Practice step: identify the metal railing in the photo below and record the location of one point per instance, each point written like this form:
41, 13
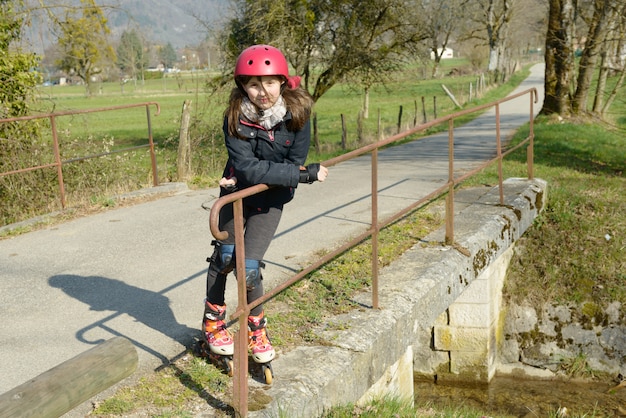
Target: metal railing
240, 383
58, 163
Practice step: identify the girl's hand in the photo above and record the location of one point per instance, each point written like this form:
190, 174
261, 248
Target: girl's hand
322, 173
228, 183
313, 172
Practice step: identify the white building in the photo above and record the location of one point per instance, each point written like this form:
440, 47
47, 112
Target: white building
447, 53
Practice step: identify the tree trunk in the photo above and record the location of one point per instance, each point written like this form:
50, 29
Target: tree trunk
559, 57
366, 103
618, 86
184, 147
589, 59
598, 101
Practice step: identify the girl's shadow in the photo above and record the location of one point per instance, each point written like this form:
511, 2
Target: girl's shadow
104, 294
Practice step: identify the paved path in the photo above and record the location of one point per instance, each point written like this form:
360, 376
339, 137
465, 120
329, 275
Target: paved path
138, 271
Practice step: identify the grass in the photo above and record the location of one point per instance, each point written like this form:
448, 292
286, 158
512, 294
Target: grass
126, 126
176, 392
392, 407
575, 251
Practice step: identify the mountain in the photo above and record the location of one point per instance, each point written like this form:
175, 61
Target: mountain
180, 22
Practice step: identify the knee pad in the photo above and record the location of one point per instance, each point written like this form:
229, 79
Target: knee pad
253, 273
223, 257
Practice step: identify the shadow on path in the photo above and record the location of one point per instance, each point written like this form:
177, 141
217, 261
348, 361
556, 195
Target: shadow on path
147, 307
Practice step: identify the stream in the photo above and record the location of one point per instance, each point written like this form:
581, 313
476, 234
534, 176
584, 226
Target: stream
515, 397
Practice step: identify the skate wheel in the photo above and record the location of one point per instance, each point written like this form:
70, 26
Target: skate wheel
229, 366
200, 350
268, 374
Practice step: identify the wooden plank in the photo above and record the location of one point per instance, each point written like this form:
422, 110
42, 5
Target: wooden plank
62, 388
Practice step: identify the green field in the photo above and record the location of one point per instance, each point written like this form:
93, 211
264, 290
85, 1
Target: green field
127, 126
405, 89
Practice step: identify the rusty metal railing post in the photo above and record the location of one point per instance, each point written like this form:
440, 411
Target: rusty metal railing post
449, 240
499, 154
375, 228
530, 151
240, 375
155, 176
57, 159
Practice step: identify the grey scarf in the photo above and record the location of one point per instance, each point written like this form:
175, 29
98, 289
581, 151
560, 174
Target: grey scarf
266, 118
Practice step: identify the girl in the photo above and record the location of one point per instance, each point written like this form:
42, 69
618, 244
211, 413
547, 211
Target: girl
267, 135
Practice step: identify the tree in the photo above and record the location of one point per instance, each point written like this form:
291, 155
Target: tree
491, 19
442, 20
507, 28
167, 55
17, 78
498, 14
83, 40
598, 29
566, 90
615, 61
559, 57
131, 54
328, 41
20, 143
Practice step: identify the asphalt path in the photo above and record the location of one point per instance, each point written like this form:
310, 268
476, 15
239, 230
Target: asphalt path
139, 271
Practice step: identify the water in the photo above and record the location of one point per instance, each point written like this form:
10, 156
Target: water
506, 396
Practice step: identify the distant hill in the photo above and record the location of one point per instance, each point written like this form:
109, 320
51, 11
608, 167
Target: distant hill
163, 21
159, 21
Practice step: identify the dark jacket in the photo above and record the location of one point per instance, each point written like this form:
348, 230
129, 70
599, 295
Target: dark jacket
267, 157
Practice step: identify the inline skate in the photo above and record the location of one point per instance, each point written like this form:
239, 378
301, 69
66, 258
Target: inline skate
217, 342
260, 346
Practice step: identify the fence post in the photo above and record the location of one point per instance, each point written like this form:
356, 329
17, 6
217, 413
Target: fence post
359, 127
155, 175
316, 139
57, 159
451, 96
184, 147
344, 132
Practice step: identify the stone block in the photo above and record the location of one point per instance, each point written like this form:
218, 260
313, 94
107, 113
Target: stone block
448, 338
397, 381
464, 362
473, 315
477, 292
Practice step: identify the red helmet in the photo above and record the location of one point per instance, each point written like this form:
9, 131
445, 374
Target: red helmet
260, 60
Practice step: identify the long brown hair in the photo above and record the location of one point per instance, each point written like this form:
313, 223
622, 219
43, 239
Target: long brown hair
298, 101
